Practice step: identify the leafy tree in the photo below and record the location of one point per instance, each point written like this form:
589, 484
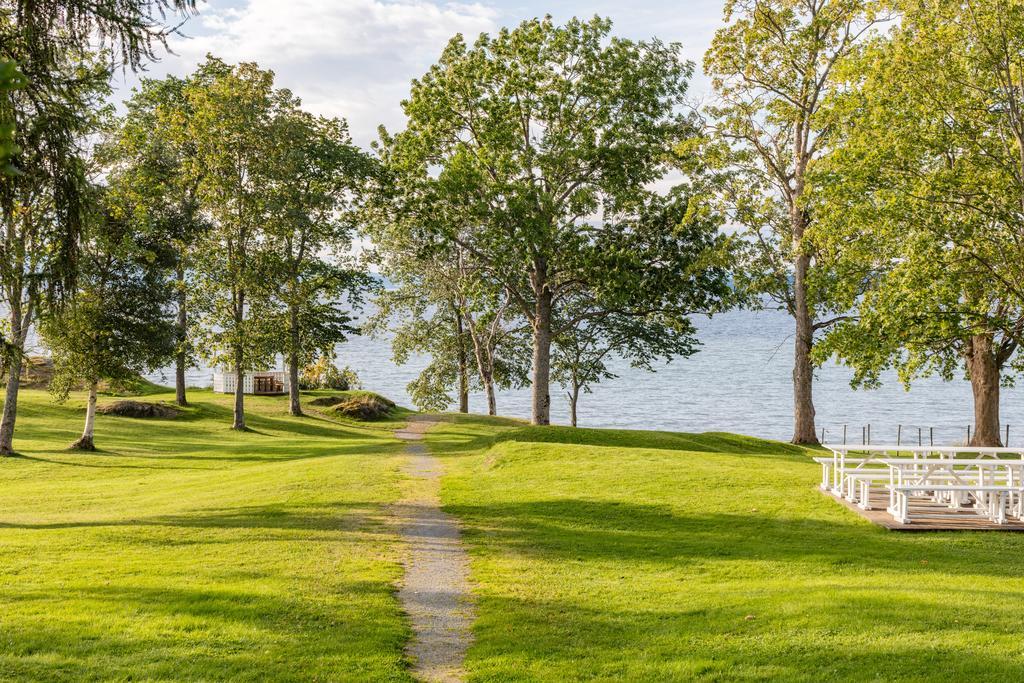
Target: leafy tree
318, 176
513, 143
772, 66
42, 208
926, 192
115, 324
145, 151
677, 231
52, 41
419, 327
232, 109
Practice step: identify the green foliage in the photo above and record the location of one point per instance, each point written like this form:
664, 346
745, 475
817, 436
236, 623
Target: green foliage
229, 121
316, 180
925, 192
515, 141
681, 236
115, 326
325, 374
148, 161
10, 79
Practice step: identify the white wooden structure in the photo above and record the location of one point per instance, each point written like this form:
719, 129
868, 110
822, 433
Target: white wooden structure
951, 479
262, 383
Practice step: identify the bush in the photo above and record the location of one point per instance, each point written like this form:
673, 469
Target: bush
324, 374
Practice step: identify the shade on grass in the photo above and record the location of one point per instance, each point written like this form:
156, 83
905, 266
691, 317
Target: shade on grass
183, 550
604, 555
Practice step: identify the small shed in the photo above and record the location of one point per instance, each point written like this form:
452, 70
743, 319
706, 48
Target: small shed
261, 383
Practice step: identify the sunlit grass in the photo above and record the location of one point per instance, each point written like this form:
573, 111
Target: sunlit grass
605, 555
183, 550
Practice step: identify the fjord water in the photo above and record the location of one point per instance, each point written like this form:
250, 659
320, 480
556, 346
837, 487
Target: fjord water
739, 381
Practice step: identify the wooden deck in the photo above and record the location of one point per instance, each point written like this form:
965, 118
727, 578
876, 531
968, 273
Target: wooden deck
929, 516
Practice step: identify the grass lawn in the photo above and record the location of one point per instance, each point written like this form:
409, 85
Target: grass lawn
186, 551
607, 555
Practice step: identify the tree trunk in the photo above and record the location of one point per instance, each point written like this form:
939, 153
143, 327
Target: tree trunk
10, 403
294, 405
20, 320
492, 401
574, 399
803, 369
86, 442
181, 358
238, 421
542, 358
463, 365
984, 373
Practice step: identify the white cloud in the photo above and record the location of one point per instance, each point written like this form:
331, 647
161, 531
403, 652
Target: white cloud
349, 58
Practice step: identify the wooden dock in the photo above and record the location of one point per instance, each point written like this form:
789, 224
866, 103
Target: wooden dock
928, 516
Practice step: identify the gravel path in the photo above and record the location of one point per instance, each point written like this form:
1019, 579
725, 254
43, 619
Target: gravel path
435, 589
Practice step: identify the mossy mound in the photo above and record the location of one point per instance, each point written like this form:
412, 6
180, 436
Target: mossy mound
365, 407
328, 401
138, 409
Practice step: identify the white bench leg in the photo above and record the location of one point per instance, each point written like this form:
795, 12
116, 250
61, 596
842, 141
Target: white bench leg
865, 495
902, 507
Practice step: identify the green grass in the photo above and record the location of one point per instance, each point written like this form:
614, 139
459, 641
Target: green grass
183, 550
613, 555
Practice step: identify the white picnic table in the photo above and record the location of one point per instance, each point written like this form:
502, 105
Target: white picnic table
951, 475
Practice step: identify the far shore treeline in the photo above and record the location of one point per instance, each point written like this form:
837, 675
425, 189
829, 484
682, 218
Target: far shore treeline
554, 200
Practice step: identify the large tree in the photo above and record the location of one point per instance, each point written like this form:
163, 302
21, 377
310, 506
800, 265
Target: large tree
42, 209
523, 147
151, 162
53, 43
772, 66
926, 193
231, 114
318, 180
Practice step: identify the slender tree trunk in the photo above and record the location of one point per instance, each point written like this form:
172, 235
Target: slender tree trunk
10, 413
239, 411
15, 357
294, 405
574, 399
181, 358
463, 364
492, 401
485, 368
542, 358
984, 374
86, 442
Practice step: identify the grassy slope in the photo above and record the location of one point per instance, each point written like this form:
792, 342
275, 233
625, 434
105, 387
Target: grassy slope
187, 551
606, 555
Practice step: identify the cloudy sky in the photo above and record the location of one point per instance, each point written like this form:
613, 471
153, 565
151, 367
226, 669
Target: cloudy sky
355, 58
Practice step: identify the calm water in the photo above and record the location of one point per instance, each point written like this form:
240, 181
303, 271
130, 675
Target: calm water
739, 382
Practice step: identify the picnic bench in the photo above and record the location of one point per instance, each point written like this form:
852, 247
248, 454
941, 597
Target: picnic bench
987, 481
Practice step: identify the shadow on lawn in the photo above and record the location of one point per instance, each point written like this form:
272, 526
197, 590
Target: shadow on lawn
336, 517
870, 639
168, 632
612, 531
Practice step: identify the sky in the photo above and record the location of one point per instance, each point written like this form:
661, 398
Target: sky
355, 58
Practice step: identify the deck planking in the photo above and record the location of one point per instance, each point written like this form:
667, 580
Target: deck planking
931, 516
